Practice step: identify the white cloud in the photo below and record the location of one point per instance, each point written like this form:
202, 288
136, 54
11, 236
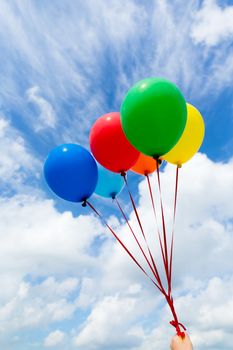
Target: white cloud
209, 315
39, 228
213, 24
56, 247
54, 338
33, 306
17, 163
203, 218
110, 324
206, 311
46, 117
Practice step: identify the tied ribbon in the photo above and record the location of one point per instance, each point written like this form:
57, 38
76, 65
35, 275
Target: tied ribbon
177, 325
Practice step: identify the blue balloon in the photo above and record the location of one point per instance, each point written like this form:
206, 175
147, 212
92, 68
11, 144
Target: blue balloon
109, 184
71, 172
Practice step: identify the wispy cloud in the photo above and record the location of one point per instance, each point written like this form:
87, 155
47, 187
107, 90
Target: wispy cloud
17, 163
85, 56
46, 117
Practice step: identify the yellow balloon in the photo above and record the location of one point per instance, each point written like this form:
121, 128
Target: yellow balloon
190, 140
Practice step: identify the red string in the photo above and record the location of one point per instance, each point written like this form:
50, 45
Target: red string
153, 205
166, 266
175, 323
173, 224
121, 243
139, 245
142, 231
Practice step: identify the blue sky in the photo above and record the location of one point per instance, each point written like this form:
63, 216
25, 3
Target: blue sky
63, 64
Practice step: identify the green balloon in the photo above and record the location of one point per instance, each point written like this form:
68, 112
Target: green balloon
153, 116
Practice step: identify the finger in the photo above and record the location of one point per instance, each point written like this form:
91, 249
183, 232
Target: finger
178, 343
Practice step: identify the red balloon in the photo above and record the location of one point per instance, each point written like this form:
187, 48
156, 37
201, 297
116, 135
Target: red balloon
109, 145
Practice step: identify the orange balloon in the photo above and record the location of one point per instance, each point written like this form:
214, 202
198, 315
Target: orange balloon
144, 165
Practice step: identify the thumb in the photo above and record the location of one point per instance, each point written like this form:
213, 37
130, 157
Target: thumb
178, 343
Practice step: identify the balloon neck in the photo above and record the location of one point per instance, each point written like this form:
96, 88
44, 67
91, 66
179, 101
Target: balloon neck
84, 203
157, 159
113, 195
179, 166
123, 173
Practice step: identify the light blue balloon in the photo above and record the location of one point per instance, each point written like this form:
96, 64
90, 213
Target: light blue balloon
109, 184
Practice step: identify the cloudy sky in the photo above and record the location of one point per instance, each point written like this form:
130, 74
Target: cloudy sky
65, 283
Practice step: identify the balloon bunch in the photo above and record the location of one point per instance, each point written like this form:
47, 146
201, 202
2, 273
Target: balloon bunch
154, 124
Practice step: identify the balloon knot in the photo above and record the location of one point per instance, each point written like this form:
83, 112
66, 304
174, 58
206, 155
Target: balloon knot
157, 159
123, 173
84, 203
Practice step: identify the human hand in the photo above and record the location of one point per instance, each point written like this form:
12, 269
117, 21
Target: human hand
178, 343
